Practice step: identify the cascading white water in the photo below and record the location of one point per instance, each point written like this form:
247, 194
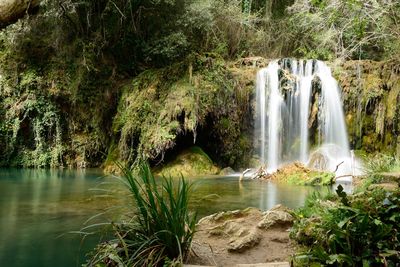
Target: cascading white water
286, 95
331, 112
274, 112
305, 94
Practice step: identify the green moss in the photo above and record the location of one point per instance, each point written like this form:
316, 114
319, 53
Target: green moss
370, 93
297, 174
164, 104
372, 86
312, 178
152, 112
189, 163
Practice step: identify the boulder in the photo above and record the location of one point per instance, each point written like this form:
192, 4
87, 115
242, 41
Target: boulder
244, 241
239, 236
189, 163
277, 216
223, 216
12, 10
242, 229
227, 171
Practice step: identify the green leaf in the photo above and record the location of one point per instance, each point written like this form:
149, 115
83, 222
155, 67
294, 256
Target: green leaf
343, 222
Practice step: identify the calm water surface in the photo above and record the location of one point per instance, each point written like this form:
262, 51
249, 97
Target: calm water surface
39, 209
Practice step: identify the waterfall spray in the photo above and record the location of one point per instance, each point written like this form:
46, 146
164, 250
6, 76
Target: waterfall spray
287, 91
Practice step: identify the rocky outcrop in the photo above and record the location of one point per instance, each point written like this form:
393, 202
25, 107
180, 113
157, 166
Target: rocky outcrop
370, 94
243, 236
277, 216
202, 103
296, 174
11, 10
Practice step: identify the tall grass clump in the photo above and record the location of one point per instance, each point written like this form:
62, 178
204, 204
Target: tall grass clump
382, 163
160, 231
377, 165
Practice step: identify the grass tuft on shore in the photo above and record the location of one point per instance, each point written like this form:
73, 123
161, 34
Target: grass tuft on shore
161, 230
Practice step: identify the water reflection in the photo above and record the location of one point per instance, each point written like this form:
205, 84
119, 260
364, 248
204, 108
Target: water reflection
37, 206
226, 193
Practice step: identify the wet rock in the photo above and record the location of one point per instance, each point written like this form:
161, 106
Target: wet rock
277, 216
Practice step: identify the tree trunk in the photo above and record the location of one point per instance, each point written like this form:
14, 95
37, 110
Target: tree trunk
12, 10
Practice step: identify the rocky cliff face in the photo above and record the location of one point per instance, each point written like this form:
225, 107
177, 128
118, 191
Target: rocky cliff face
371, 97
205, 102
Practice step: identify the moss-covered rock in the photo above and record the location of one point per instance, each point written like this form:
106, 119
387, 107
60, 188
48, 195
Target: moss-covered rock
189, 163
56, 107
199, 102
371, 93
298, 174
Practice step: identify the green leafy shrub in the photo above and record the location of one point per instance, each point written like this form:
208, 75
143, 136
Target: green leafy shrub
358, 230
161, 230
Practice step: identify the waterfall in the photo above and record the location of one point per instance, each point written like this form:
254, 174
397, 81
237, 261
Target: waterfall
294, 96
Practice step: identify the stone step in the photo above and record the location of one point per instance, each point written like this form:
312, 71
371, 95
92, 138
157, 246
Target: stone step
267, 264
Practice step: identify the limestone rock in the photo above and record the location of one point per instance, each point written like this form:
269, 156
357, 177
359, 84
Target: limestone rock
277, 216
234, 237
223, 216
246, 241
234, 226
11, 10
